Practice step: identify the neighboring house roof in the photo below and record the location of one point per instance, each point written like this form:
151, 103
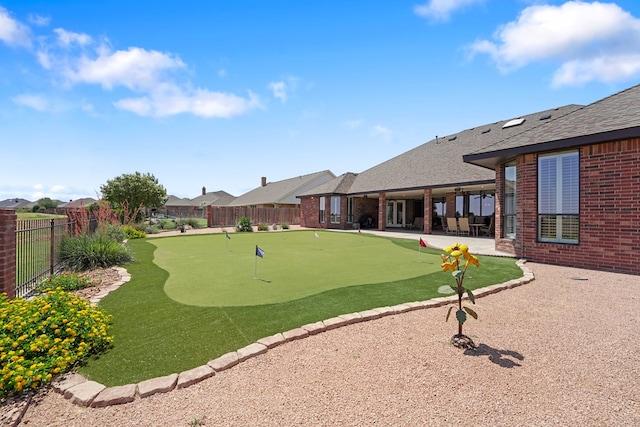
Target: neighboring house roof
78, 203
438, 163
611, 118
339, 185
213, 198
283, 192
15, 203
177, 201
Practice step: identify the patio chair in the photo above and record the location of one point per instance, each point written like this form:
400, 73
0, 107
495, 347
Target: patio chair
452, 226
463, 226
418, 223
489, 230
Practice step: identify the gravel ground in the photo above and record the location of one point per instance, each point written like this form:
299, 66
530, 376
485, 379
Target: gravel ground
554, 352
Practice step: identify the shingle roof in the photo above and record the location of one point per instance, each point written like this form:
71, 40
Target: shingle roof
78, 203
214, 198
14, 203
439, 163
177, 201
339, 185
614, 117
283, 192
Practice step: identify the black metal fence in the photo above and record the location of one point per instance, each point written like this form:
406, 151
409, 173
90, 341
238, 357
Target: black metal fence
38, 251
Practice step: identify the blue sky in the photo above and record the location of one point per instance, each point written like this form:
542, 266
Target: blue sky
222, 93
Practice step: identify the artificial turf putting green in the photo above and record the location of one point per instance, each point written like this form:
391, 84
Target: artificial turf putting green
156, 336
211, 270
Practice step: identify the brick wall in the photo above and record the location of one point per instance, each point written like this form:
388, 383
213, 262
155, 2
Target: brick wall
609, 210
8, 220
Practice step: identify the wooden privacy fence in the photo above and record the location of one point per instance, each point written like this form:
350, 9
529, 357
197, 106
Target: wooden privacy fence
228, 216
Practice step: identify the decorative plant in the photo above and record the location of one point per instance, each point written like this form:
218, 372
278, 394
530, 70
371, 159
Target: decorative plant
451, 262
244, 224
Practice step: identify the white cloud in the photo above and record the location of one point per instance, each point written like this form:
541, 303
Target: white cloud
282, 89
441, 10
279, 90
135, 68
36, 102
39, 20
382, 131
170, 100
67, 38
13, 32
591, 42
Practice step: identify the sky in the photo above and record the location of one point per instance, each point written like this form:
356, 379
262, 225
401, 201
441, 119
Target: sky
218, 94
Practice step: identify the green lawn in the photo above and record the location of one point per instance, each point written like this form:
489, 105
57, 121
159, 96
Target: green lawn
158, 333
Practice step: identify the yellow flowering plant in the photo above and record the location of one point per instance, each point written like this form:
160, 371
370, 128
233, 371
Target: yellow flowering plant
46, 336
456, 261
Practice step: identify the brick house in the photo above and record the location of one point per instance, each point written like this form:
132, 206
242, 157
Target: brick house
568, 192
562, 185
418, 189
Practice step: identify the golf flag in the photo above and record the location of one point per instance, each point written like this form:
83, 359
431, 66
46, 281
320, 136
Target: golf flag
422, 243
315, 234
259, 252
227, 233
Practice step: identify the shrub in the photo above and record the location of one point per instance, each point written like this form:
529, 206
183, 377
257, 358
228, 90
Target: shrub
66, 282
244, 224
263, 227
80, 253
168, 224
46, 336
133, 232
284, 225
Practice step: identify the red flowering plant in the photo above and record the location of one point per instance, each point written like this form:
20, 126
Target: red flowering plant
452, 262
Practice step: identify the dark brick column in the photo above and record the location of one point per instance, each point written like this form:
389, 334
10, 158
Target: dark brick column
8, 220
428, 211
382, 212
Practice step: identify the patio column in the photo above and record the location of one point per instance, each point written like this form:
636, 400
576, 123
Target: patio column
428, 211
382, 211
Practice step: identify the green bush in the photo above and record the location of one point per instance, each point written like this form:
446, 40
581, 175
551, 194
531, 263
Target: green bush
81, 253
168, 224
133, 232
66, 282
116, 232
263, 227
46, 336
244, 224
284, 225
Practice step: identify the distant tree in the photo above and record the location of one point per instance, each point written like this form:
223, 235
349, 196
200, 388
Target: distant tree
130, 193
44, 204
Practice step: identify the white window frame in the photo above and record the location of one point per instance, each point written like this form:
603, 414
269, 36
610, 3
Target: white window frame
334, 214
559, 197
321, 210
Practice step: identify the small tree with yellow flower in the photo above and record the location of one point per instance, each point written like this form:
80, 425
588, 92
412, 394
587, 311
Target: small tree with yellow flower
451, 262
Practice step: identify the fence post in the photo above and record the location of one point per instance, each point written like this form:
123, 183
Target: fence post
52, 245
8, 220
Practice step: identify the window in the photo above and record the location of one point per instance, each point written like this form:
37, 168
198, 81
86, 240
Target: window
558, 198
335, 210
509, 208
321, 212
350, 204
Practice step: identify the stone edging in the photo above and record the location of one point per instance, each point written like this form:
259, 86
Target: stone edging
83, 392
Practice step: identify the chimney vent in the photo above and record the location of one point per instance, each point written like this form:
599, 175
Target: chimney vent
204, 190
264, 181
